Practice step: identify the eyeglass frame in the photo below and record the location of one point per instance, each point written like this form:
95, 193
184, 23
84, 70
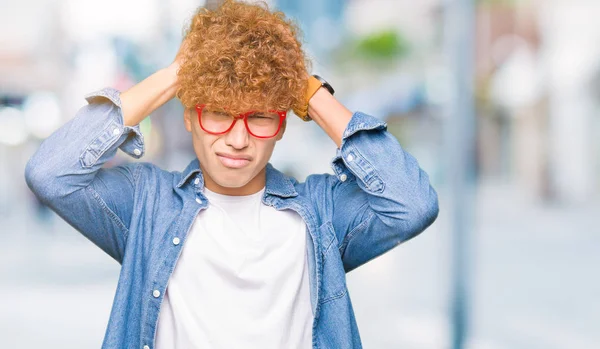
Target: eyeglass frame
282, 115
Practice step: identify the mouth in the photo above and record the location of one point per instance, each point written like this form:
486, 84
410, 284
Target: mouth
233, 161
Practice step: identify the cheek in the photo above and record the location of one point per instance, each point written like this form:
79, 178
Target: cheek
264, 150
203, 144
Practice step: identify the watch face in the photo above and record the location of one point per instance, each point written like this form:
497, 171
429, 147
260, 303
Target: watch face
325, 84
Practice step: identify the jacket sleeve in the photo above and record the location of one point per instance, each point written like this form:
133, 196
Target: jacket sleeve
66, 172
381, 196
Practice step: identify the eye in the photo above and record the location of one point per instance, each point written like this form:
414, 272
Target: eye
221, 115
261, 115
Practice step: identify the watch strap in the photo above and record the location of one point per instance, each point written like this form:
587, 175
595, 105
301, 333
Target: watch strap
314, 85
325, 84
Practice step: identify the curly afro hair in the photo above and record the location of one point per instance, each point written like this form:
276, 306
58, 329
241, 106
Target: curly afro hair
242, 56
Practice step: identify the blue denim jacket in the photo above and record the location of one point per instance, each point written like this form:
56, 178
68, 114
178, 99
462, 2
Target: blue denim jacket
141, 214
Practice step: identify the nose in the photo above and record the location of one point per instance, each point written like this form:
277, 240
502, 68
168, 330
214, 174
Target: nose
238, 136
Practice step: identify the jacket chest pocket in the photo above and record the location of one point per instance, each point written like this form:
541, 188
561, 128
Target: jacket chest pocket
334, 277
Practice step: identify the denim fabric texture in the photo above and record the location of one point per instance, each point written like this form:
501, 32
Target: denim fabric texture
140, 214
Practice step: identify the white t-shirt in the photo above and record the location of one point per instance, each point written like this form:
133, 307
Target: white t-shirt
241, 280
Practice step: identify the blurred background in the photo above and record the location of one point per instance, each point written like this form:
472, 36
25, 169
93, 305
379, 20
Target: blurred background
499, 101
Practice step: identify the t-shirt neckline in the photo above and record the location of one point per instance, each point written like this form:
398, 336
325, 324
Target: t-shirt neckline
232, 198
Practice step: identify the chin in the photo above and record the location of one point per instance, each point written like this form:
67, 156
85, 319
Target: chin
230, 184
231, 180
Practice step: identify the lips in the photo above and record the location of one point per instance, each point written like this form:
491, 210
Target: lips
233, 161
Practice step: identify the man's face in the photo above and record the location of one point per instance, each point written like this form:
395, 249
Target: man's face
232, 163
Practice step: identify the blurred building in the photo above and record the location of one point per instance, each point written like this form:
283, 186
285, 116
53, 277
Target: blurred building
536, 68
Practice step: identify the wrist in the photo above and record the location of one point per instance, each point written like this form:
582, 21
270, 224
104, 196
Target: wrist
320, 96
332, 116
323, 102
173, 67
170, 76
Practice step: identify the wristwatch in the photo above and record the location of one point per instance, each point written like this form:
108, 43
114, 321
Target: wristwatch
315, 82
325, 84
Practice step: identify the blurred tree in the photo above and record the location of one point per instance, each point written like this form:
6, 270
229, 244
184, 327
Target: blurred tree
380, 50
383, 45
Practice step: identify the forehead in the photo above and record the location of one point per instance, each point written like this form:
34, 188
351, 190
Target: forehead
240, 104
226, 110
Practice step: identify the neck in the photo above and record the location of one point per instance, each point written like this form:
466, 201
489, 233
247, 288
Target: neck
254, 186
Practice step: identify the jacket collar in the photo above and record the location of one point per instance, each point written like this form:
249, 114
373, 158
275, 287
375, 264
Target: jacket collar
277, 183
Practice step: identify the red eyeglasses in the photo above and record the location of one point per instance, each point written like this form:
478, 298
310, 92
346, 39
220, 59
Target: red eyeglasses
259, 124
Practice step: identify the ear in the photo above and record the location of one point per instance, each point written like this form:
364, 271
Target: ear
188, 114
282, 131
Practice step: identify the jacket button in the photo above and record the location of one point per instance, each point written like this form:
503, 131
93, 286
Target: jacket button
197, 180
156, 293
136, 151
116, 131
350, 157
176, 241
343, 177
198, 200
146, 347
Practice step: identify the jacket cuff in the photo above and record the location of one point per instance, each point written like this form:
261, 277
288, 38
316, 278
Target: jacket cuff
349, 161
130, 138
362, 122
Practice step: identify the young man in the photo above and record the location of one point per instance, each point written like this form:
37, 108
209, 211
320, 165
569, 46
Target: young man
231, 253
